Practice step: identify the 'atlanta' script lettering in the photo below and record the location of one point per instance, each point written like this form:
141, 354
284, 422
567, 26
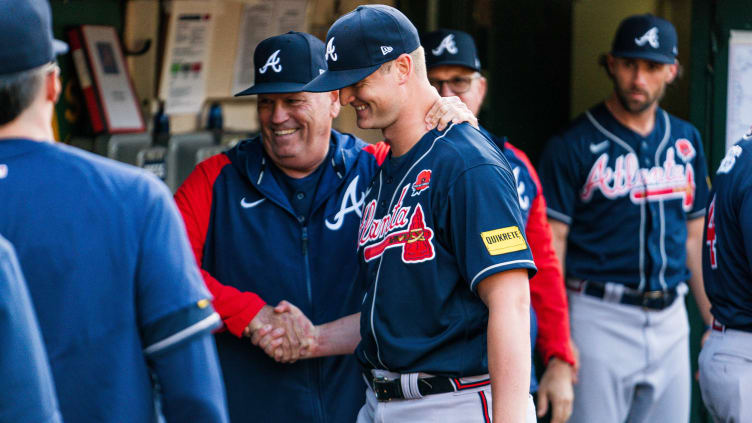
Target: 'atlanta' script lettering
669, 181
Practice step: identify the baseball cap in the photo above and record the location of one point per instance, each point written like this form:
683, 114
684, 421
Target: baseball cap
361, 41
646, 37
26, 36
450, 47
285, 63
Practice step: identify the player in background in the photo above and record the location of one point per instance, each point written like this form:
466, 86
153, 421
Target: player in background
626, 191
26, 390
274, 221
116, 290
454, 69
441, 248
726, 357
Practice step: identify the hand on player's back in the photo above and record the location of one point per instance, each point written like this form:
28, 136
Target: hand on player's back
283, 332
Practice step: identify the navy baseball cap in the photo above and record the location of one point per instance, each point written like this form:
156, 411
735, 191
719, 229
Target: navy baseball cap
646, 37
450, 47
285, 63
361, 41
26, 36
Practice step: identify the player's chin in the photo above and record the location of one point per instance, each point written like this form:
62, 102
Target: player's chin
365, 123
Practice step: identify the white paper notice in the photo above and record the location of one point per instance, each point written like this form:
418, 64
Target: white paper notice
260, 21
739, 97
185, 69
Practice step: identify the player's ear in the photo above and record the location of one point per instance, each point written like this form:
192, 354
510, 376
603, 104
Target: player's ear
482, 86
334, 103
610, 63
673, 70
52, 85
403, 67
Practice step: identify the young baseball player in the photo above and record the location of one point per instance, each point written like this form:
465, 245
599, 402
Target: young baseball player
626, 191
454, 69
117, 293
444, 325
726, 357
275, 219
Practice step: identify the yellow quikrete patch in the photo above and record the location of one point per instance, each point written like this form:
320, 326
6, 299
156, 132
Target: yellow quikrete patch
203, 303
504, 240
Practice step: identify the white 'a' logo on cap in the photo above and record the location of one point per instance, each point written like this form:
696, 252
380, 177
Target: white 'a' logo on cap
446, 44
330, 51
272, 61
650, 37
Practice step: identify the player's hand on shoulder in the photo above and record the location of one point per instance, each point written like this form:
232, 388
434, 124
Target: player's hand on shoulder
449, 109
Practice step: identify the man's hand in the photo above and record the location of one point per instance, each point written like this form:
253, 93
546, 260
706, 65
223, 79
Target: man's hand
449, 109
283, 332
576, 354
556, 387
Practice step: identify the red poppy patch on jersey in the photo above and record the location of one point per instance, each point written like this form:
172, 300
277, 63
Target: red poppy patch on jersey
685, 150
421, 182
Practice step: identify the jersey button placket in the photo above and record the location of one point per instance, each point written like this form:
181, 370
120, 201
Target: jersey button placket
300, 195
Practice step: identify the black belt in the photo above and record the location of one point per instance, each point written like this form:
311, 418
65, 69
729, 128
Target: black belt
720, 327
654, 300
391, 389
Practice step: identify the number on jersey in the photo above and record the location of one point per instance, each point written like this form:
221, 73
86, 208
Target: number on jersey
710, 235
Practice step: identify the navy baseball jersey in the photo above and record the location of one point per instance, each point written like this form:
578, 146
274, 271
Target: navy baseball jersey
435, 222
625, 197
727, 246
26, 390
115, 286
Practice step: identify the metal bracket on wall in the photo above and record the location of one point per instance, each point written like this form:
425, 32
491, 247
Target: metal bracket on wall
137, 51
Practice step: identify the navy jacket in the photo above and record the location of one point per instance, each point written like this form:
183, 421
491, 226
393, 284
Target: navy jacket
253, 250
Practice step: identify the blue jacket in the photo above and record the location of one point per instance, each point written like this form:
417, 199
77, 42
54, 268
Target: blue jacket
254, 250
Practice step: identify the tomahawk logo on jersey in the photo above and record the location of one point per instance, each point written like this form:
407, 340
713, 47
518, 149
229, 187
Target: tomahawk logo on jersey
415, 242
609, 183
710, 235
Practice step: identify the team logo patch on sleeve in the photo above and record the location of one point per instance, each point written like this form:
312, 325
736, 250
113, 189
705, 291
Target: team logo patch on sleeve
421, 182
504, 240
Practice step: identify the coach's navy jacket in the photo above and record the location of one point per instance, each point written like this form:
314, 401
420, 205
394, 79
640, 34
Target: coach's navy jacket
254, 250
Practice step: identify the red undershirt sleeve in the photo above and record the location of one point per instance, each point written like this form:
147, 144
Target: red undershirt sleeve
194, 200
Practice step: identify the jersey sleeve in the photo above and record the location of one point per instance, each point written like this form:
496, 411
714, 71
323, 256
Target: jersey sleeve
744, 193
547, 292
28, 392
194, 199
702, 182
191, 382
486, 224
172, 303
558, 170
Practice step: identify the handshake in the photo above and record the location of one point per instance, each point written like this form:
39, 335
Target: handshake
283, 332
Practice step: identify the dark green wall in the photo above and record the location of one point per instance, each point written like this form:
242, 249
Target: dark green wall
524, 48
712, 21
